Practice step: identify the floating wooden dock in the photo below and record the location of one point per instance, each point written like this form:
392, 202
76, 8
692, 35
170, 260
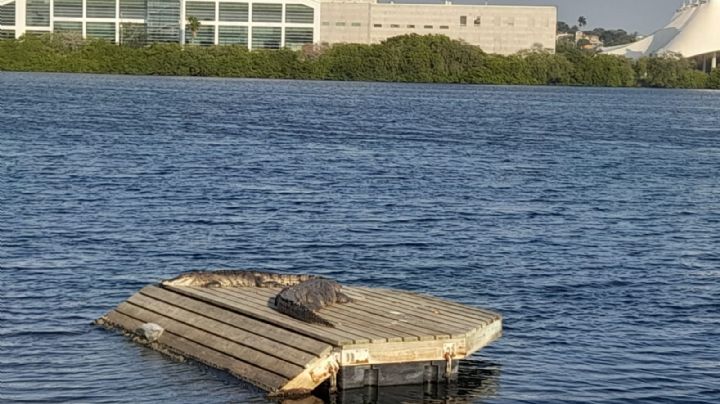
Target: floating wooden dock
383, 337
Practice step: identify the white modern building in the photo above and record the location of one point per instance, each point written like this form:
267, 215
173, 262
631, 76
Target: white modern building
693, 32
257, 24
282, 23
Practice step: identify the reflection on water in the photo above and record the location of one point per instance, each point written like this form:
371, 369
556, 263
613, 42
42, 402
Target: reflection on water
477, 380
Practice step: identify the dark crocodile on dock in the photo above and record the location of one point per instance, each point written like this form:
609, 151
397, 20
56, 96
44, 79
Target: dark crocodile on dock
302, 301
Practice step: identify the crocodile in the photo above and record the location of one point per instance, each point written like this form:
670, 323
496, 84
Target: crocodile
237, 279
302, 301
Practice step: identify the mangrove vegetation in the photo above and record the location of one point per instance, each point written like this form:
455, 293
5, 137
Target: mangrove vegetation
408, 58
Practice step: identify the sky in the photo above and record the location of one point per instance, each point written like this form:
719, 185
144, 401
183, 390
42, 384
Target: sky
643, 16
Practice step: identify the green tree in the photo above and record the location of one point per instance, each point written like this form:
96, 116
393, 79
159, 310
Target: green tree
713, 80
582, 21
193, 24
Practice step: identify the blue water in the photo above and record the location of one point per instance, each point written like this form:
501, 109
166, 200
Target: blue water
590, 218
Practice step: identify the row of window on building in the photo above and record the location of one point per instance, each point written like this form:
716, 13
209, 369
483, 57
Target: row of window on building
478, 21
262, 37
38, 11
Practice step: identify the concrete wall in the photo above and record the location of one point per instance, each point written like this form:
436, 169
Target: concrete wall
496, 29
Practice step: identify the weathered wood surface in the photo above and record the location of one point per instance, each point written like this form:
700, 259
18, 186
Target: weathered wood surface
238, 330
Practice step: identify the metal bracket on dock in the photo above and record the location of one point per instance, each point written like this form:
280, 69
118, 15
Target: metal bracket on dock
448, 353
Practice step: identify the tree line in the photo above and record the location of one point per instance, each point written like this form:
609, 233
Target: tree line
407, 58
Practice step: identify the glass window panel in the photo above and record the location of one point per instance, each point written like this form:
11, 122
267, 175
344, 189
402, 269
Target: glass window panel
67, 26
68, 8
232, 35
163, 21
297, 37
266, 37
100, 8
204, 11
7, 34
7, 15
101, 30
37, 13
265, 12
236, 12
132, 9
204, 36
299, 13
132, 34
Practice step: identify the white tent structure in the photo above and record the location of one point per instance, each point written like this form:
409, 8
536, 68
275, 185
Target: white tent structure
694, 32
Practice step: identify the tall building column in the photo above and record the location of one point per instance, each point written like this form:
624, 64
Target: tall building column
20, 16
713, 63
183, 22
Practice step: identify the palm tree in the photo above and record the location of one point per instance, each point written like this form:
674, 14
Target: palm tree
193, 24
582, 21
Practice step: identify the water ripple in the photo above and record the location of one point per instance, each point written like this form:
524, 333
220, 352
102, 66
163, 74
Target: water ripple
589, 217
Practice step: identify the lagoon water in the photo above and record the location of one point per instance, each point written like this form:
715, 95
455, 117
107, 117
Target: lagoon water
589, 217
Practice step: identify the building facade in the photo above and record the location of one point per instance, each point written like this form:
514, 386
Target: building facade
495, 29
272, 24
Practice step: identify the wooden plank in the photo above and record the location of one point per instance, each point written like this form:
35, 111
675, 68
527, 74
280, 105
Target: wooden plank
426, 330
228, 347
447, 313
266, 297
340, 323
482, 337
387, 325
239, 336
258, 304
301, 342
471, 311
295, 326
440, 326
257, 376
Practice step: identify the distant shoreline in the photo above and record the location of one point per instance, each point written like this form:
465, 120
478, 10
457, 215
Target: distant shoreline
403, 59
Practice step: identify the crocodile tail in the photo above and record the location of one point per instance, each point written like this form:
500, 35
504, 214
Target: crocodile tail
300, 312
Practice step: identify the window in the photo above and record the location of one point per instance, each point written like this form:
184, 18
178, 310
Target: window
132, 34
66, 26
234, 12
299, 14
37, 13
202, 10
356, 24
478, 21
205, 36
7, 34
339, 24
100, 9
394, 26
444, 27
411, 26
377, 25
326, 23
266, 12
232, 35
428, 27
463, 21
266, 37
131, 9
101, 30
295, 37
7, 17
68, 8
